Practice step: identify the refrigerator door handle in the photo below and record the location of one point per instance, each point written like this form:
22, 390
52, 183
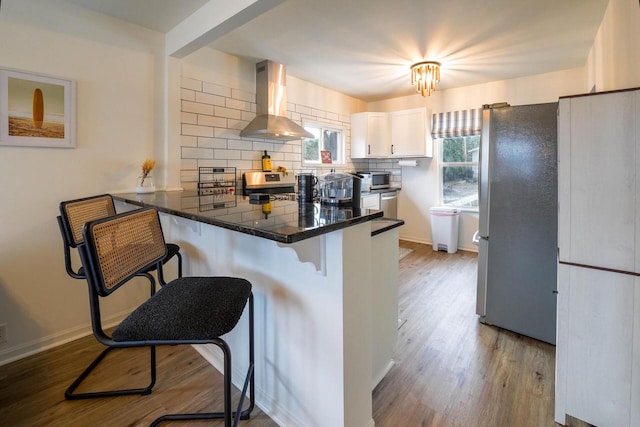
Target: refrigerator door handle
477, 237
483, 165
483, 262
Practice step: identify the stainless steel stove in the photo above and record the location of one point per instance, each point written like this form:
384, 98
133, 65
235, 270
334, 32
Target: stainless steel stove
284, 196
277, 184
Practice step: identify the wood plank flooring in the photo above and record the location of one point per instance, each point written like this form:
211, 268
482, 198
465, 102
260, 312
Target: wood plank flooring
450, 370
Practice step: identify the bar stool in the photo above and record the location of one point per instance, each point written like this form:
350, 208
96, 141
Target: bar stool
187, 310
75, 213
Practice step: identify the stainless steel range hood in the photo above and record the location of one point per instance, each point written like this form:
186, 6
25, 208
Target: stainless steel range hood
271, 121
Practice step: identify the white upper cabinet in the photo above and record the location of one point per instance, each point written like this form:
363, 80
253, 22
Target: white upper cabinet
597, 180
637, 189
409, 136
398, 134
369, 135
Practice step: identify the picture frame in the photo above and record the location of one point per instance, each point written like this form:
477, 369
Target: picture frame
325, 155
37, 110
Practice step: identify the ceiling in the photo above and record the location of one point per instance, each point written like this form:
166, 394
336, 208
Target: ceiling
364, 48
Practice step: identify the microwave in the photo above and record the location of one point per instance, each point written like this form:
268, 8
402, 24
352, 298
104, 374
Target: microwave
375, 180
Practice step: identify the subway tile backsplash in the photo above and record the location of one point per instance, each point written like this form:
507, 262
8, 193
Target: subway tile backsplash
212, 117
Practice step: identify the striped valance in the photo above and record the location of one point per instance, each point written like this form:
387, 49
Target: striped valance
457, 123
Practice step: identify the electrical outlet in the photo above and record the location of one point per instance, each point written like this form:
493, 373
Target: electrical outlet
3, 333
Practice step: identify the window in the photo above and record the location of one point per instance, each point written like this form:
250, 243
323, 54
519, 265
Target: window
459, 171
326, 138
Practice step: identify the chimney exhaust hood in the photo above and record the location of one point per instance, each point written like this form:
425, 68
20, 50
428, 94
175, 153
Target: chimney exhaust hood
271, 120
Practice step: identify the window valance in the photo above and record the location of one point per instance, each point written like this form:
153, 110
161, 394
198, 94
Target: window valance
456, 123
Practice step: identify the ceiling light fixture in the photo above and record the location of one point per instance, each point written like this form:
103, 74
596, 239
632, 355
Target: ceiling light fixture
425, 75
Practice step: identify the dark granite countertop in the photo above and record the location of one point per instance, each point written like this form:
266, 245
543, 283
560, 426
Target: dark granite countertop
381, 225
384, 190
284, 221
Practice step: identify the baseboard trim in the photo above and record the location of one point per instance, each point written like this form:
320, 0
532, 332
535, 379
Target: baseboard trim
414, 240
468, 248
576, 422
48, 342
383, 373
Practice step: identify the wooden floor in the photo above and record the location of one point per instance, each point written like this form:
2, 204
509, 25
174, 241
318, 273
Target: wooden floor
450, 370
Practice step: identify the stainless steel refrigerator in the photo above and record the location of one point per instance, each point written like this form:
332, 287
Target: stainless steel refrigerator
518, 190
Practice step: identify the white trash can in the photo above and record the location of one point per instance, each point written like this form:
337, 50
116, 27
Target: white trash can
444, 229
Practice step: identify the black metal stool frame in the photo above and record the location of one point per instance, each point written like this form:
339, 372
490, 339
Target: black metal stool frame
69, 241
106, 208
94, 295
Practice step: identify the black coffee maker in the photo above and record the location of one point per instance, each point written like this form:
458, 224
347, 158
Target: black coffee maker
357, 190
307, 188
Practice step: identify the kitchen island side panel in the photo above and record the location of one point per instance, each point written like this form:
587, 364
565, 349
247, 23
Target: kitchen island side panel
312, 318
384, 304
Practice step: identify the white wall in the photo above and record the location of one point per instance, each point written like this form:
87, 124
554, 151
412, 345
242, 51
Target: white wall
614, 59
218, 100
114, 65
420, 185
613, 63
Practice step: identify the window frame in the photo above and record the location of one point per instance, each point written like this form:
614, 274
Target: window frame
442, 164
342, 144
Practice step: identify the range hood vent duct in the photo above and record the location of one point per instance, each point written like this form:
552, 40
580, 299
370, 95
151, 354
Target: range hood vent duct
271, 120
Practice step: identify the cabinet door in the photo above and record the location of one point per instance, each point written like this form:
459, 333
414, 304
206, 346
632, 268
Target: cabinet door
602, 180
378, 135
562, 343
359, 135
409, 133
370, 201
599, 351
637, 270
384, 302
369, 135
635, 380
564, 180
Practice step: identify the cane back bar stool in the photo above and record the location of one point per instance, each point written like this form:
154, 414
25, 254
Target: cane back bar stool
75, 213
187, 310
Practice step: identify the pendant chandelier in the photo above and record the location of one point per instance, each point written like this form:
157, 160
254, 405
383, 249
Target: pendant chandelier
425, 75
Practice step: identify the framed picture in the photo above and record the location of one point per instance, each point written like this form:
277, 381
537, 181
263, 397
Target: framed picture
36, 110
326, 156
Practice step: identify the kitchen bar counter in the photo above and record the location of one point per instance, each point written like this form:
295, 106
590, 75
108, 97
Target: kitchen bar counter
383, 190
325, 289
382, 225
283, 221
